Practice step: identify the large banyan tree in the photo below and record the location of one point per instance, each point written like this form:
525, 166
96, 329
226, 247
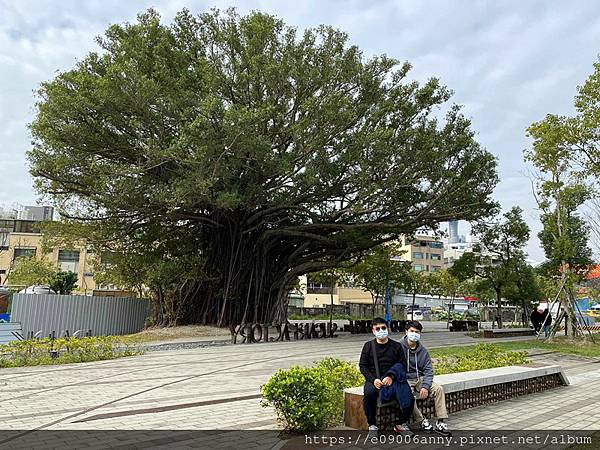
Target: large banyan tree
239, 154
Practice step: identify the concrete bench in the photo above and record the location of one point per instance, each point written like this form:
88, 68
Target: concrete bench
463, 390
508, 332
10, 331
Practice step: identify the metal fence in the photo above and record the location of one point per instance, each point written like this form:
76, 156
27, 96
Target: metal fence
102, 315
10, 332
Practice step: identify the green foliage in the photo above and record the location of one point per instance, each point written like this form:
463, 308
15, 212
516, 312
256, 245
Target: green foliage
570, 246
310, 398
326, 317
63, 282
443, 315
565, 152
270, 152
482, 356
526, 289
32, 271
70, 350
501, 252
378, 269
414, 282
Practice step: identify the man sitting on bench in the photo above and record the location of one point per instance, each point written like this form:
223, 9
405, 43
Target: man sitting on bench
419, 371
387, 353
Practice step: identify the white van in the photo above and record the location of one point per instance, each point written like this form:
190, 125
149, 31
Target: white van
415, 315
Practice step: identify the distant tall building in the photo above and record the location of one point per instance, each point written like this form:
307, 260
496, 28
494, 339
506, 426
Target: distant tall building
37, 213
453, 236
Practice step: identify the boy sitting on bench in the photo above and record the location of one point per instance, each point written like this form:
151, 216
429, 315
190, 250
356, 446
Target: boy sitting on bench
383, 355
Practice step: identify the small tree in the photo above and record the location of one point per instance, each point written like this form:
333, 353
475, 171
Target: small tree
63, 282
561, 190
450, 287
524, 290
378, 270
31, 271
330, 277
415, 282
500, 252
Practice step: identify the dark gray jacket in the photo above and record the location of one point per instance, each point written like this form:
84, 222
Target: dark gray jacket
418, 363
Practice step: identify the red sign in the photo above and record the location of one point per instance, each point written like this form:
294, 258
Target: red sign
471, 299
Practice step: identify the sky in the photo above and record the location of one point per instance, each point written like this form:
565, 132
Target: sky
509, 64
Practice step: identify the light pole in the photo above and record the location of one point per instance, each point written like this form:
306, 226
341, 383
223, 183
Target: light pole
387, 304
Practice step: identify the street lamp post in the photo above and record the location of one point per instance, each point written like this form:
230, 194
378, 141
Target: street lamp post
387, 304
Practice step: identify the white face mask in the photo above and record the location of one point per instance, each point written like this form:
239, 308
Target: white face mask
413, 336
381, 334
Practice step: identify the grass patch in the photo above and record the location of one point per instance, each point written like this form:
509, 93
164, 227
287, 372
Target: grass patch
481, 356
579, 347
40, 352
326, 317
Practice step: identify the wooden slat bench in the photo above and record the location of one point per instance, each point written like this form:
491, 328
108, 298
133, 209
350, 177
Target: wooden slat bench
10, 331
508, 332
463, 391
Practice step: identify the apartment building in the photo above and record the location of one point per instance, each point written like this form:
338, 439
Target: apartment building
317, 294
20, 238
425, 253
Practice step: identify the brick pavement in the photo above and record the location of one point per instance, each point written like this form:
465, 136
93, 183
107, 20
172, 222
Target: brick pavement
155, 391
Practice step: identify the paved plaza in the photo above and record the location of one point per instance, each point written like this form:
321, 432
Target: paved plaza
218, 387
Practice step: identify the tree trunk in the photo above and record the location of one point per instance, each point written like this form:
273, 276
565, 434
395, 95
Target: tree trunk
499, 308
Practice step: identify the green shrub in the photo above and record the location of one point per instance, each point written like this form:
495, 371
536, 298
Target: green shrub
310, 398
37, 352
483, 356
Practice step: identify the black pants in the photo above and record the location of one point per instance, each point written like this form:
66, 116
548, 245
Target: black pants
371, 394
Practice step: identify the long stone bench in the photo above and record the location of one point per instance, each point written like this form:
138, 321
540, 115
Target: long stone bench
464, 390
508, 332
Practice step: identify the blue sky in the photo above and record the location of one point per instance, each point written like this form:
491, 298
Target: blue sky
509, 63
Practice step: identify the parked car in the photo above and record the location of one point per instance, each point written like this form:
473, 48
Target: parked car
415, 315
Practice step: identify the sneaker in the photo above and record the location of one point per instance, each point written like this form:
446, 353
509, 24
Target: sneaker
403, 429
426, 426
442, 428
373, 432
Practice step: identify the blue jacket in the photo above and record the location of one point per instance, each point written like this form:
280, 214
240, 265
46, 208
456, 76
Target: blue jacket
399, 390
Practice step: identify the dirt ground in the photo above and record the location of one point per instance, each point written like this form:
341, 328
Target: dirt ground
186, 331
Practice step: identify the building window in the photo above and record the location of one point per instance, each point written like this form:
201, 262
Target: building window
417, 255
26, 226
434, 269
418, 267
24, 252
436, 257
436, 245
68, 260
